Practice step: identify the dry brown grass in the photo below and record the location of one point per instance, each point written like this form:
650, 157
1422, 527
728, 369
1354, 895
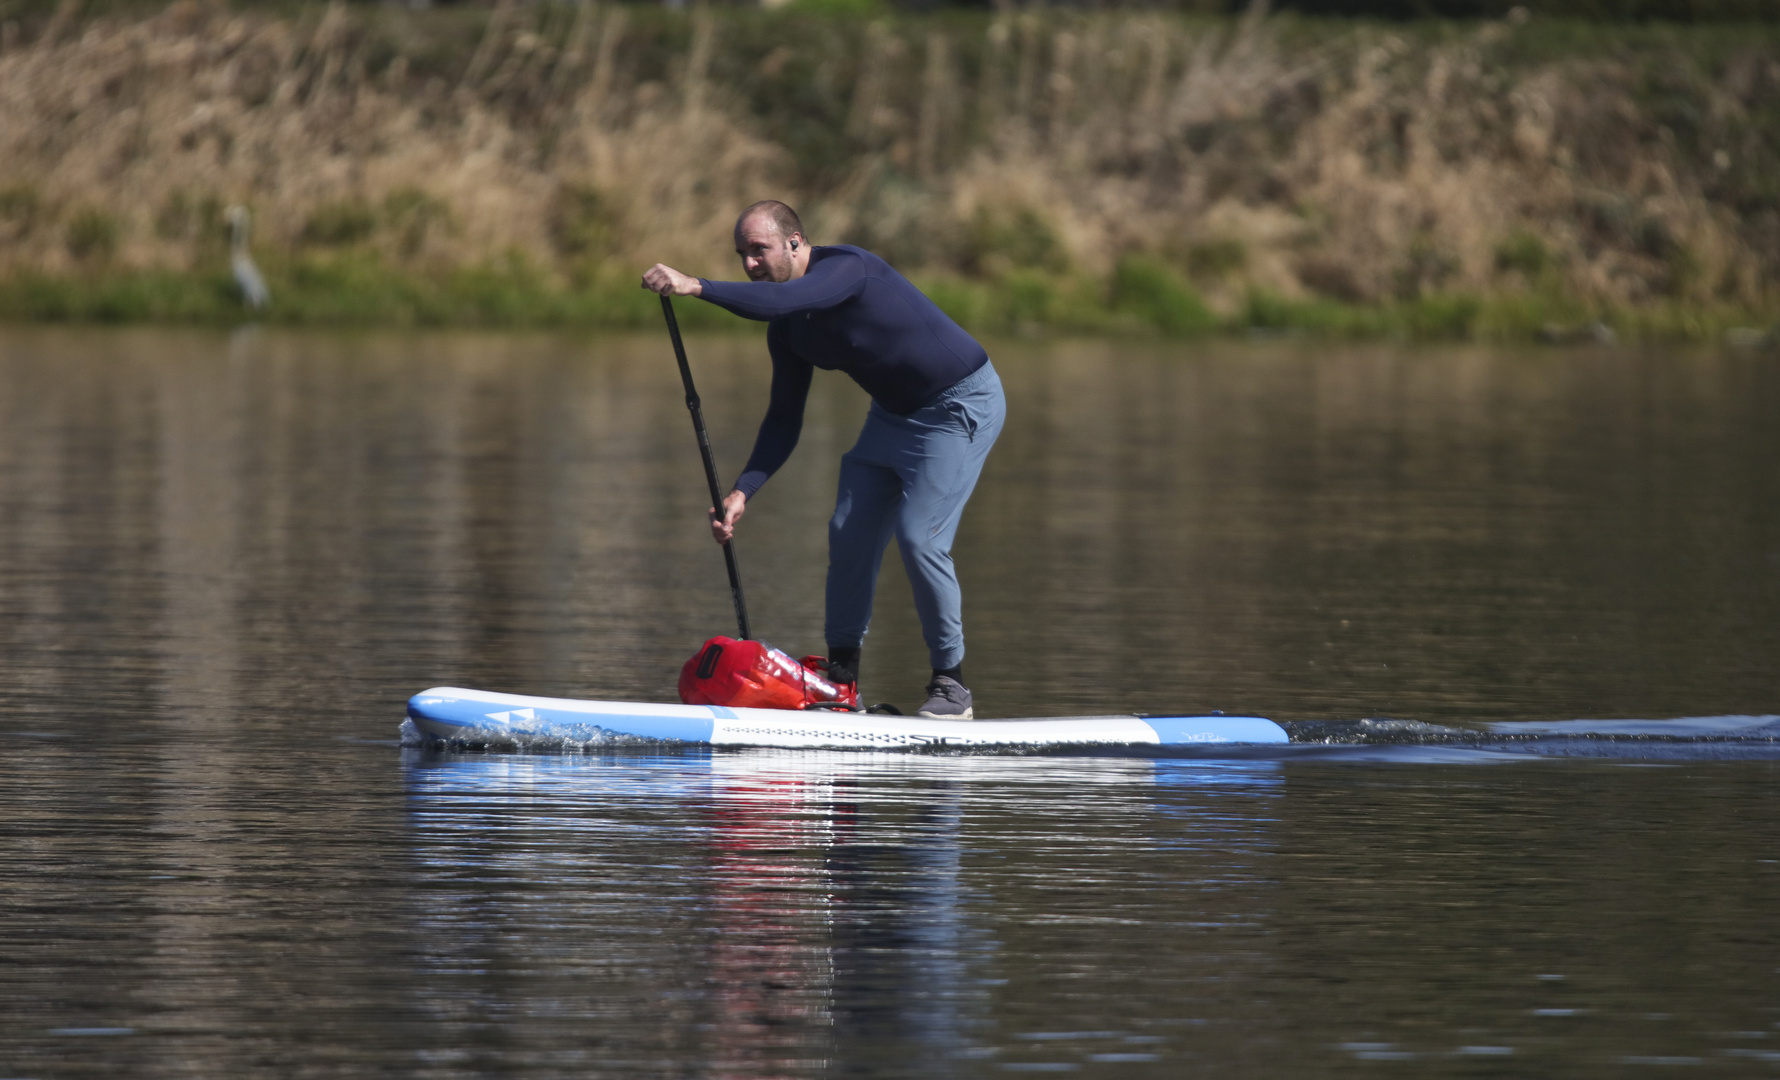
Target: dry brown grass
201, 107
1351, 162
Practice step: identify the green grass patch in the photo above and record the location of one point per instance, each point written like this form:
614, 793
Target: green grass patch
1154, 294
1143, 296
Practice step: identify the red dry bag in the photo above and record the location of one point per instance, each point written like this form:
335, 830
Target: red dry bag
753, 675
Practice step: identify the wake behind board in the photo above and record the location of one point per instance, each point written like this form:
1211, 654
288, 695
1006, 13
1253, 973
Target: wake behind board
448, 712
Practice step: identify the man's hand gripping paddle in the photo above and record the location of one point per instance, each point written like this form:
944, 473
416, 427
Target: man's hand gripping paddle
704, 448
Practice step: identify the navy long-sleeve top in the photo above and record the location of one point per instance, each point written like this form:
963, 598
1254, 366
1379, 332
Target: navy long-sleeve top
849, 312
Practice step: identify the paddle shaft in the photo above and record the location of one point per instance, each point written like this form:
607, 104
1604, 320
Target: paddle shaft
704, 449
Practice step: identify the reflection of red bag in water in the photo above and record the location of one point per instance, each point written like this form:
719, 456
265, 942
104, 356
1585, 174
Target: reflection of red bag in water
752, 675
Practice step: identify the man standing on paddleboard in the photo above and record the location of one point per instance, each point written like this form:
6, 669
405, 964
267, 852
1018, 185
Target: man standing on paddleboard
936, 408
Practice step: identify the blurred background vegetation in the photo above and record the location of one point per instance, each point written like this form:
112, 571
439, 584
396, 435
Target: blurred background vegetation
39, 11
1427, 167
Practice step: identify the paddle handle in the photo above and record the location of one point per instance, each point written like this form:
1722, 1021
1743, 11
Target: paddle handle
704, 449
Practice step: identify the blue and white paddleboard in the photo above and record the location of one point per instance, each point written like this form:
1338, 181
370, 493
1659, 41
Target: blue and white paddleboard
478, 716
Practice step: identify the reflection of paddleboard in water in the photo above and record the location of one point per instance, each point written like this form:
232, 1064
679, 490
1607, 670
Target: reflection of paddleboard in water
478, 716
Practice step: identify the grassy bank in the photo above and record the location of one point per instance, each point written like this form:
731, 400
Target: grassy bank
354, 292
1100, 172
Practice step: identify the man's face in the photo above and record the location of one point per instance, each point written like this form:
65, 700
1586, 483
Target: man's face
766, 255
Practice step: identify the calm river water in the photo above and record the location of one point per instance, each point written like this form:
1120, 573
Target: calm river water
227, 560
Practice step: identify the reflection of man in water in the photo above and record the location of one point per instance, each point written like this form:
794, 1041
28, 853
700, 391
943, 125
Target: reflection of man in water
838, 928
936, 409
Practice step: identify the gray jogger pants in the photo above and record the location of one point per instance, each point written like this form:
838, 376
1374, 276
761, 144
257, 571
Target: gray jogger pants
910, 476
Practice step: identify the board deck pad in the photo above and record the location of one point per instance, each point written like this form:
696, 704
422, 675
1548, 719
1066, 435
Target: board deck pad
480, 716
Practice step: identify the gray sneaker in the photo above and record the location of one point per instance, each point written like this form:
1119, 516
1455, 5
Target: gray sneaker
947, 699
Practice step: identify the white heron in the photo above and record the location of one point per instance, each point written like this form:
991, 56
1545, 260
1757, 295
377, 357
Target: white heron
247, 276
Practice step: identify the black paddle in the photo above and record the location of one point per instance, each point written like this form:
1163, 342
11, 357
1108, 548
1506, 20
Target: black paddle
704, 448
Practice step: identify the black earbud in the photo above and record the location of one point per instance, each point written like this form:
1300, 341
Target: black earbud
794, 245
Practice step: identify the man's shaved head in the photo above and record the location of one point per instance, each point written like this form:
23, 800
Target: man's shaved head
767, 237
782, 217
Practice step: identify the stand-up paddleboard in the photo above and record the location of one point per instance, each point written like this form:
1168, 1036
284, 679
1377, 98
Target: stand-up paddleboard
477, 716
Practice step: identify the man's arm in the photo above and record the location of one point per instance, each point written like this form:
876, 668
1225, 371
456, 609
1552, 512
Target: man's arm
778, 434
829, 282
